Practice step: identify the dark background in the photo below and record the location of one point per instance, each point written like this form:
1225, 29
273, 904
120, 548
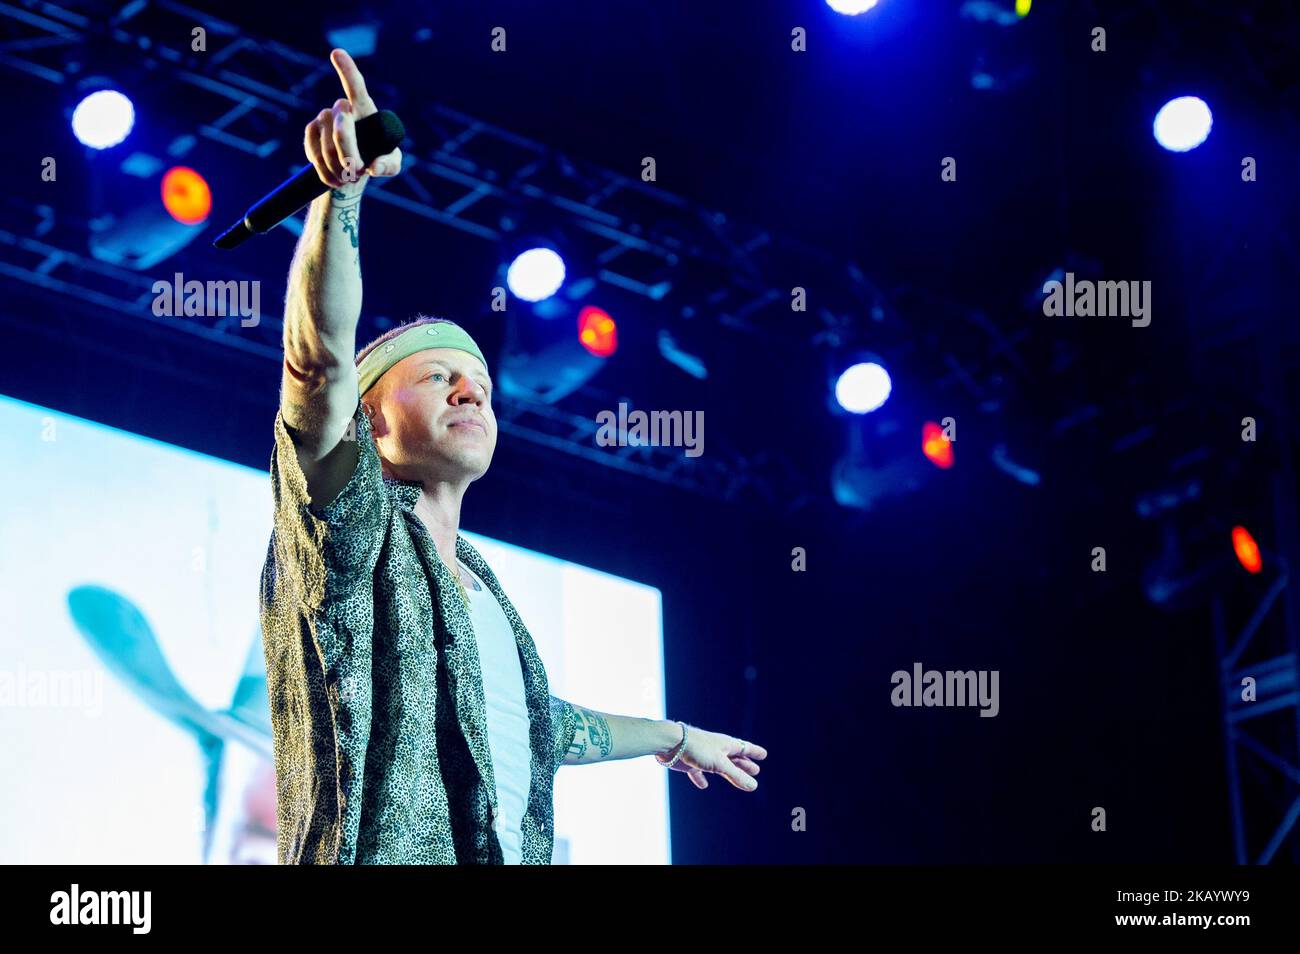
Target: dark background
1106, 699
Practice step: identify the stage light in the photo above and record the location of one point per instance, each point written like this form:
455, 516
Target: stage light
936, 447
186, 196
103, 119
851, 8
542, 360
135, 229
1247, 550
597, 331
536, 274
863, 388
1022, 7
1183, 123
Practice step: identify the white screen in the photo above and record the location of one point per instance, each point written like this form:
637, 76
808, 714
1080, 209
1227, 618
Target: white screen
144, 749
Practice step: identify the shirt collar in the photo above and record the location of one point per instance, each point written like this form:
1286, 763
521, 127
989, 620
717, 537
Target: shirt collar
406, 492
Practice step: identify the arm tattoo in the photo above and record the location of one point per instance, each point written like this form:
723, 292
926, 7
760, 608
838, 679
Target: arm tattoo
348, 208
595, 730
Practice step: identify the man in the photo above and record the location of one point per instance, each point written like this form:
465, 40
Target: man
411, 715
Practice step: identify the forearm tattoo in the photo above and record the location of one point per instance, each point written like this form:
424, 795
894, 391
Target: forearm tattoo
593, 729
347, 208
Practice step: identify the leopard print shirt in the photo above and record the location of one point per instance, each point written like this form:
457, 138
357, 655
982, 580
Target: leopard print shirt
377, 706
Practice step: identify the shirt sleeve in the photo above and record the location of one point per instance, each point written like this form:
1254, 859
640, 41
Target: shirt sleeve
564, 726
329, 552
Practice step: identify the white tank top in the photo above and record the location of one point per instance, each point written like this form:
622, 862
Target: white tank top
507, 713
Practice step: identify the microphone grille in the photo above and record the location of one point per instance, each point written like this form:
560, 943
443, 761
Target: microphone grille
379, 134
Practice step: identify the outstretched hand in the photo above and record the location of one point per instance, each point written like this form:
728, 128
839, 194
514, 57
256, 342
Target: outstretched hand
713, 753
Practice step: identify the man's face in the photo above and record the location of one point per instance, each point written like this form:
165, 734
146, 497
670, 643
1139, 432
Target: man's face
434, 418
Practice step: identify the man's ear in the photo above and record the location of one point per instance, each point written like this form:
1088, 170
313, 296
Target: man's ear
371, 413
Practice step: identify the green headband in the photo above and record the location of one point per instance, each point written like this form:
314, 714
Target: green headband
443, 334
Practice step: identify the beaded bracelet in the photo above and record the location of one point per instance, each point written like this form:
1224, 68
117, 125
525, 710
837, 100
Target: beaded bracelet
681, 747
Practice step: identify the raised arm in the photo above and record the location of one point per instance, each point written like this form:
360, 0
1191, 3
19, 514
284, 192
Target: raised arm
318, 389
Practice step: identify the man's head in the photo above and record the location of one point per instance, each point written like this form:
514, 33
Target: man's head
431, 411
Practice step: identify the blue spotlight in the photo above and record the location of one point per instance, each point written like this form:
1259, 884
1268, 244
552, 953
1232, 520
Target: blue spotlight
851, 8
863, 387
1183, 123
103, 119
536, 274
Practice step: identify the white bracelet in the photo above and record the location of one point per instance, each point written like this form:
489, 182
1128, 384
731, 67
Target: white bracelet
681, 747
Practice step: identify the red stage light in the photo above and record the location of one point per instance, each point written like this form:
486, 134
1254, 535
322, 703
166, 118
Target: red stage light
935, 446
1247, 550
597, 331
186, 196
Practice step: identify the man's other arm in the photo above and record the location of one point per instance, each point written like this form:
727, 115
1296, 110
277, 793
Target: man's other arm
604, 737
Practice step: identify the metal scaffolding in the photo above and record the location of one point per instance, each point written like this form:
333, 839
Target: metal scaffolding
644, 240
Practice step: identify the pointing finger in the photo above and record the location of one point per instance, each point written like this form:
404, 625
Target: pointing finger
354, 85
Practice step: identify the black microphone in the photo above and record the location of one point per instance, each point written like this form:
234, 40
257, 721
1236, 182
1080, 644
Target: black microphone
377, 134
